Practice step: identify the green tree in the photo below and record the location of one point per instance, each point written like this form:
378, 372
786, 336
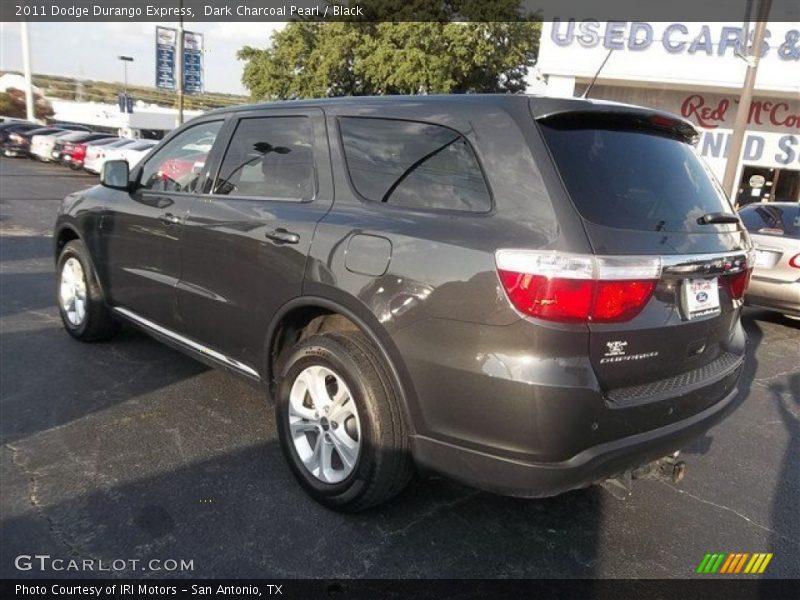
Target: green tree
309, 59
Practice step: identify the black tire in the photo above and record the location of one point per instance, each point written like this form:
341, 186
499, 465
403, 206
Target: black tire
97, 325
384, 465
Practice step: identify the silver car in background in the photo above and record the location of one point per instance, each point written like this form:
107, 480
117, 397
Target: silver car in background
96, 154
133, 153
775, 230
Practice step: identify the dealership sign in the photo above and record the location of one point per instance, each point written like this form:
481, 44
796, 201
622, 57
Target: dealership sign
691, 38
701, 55
764, 149
166, 38
192, 62
711, 111
166, 51
773, 127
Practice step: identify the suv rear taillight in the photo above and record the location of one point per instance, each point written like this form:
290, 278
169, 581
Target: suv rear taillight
574, 288
737, 283
795, 261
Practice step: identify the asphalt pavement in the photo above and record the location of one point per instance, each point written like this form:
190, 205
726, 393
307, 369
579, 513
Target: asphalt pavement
131, 451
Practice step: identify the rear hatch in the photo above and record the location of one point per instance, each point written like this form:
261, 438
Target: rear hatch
665, 234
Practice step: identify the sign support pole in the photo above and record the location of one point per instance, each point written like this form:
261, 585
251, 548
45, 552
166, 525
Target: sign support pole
26, 67
729, 183
179, 61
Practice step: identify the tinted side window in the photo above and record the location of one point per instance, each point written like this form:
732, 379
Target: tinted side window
178, 166
270, 157
413, 165
765, 218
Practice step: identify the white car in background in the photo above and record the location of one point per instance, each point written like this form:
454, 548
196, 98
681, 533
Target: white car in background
133, 153
97, 154
42, 145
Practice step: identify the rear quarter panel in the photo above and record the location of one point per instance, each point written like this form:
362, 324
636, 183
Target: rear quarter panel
439, 302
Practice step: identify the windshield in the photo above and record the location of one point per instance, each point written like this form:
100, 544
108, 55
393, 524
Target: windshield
634, 179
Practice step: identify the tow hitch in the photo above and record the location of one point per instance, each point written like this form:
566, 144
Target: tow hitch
668, 468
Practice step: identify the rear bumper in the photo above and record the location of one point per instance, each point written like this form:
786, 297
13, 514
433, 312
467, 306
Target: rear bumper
497, 415
42, 154
538, 479
15, 149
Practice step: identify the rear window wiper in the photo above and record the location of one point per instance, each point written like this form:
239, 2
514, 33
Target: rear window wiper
719, 217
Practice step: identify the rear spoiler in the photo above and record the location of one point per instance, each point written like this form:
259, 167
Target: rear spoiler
608, 115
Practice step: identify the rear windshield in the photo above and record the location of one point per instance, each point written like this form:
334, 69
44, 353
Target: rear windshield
75, 136
121, 142
101, 141
772, 219
634, 179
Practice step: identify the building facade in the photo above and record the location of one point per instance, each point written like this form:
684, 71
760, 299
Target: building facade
146, 120
695, 70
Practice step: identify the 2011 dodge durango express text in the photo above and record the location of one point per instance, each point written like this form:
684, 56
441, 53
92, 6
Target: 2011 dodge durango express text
530, 295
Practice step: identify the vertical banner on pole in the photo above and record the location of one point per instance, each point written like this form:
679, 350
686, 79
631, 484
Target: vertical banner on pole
192, 62
166, 41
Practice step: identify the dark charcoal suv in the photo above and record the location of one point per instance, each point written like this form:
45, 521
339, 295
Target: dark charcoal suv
530, 295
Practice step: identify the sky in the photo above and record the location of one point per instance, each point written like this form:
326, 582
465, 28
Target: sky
90, 50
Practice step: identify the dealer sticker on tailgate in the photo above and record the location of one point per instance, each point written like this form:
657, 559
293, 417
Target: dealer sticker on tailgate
700, 297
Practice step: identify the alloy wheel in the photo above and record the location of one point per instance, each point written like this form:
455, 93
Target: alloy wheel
324, 424
72, 292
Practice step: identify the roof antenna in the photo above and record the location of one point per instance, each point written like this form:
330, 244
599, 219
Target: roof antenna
585, 94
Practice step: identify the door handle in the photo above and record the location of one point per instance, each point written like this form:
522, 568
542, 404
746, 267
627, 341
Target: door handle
169, 219
281, 236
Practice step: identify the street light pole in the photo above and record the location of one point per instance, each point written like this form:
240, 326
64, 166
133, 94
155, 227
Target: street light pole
729, 183
180, 66
30, 113
125, 60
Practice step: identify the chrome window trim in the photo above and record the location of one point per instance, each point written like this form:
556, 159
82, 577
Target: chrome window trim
187, 342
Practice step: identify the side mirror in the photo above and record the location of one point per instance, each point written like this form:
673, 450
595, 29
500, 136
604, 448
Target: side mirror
116, 175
